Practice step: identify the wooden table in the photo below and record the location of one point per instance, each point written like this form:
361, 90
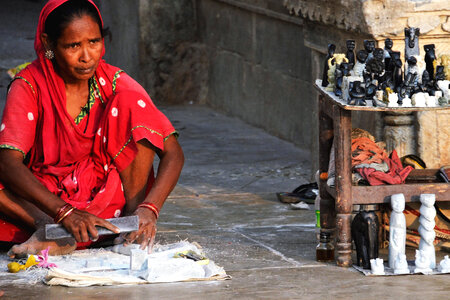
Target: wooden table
335, 122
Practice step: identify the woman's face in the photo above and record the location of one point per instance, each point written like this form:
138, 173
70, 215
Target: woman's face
78, 50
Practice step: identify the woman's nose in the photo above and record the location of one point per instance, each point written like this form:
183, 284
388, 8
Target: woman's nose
85, 55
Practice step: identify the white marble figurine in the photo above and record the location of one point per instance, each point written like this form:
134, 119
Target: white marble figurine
377, 266
422, 262
401, 265
445, 265
426, 227
397, 228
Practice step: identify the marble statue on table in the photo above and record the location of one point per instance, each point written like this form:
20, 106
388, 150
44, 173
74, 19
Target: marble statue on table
444, 60
406, 102
430, 59
347, 84
360, 64
357, 94
440, 74
369, 46
419, 100
444, 265
397, 228
412, 42
408, 87
342, 71
350, 52
393, 100
373, 73
427, 84
377, 266
413, 68
426, 228
401, 264
333, 64
387, 52
422, 262
331, 50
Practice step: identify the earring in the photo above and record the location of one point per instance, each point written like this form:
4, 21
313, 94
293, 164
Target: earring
49, 54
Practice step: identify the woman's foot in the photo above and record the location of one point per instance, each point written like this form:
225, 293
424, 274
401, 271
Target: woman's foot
37, 242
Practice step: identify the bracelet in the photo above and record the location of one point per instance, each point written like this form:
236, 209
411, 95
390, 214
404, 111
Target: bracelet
61, 211
70, 211
150, 206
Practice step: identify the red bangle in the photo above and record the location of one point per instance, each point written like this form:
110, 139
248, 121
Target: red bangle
150, 206
62, 211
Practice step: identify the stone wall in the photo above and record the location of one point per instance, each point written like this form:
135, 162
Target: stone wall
122, 46
174, 65
259, 67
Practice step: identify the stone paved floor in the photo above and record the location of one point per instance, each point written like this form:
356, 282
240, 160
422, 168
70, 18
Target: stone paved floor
225, 201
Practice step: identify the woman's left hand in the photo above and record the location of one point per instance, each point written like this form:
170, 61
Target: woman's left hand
145, 235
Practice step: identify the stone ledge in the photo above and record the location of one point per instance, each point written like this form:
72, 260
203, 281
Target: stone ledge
379, 18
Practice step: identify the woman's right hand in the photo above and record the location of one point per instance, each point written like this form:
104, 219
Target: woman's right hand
82, 225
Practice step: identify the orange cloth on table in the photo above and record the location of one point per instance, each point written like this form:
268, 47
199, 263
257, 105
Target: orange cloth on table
365, 151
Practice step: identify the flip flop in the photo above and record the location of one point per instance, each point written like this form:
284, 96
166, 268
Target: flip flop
305, 192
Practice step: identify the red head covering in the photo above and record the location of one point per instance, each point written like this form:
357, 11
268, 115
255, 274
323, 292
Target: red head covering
48, 8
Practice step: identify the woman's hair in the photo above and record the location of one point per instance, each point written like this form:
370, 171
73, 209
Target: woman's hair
59, 18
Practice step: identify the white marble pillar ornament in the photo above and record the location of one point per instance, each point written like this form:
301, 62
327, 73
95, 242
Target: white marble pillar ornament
397, 228
426, 227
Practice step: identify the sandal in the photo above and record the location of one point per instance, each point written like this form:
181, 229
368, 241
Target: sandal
305, 192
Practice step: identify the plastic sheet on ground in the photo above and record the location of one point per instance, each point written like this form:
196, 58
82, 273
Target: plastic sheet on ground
105, 267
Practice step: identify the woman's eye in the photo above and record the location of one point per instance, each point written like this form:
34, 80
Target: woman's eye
73, 46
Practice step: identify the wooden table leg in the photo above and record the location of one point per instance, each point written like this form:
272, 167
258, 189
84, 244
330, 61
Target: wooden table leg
343, 127
327, 211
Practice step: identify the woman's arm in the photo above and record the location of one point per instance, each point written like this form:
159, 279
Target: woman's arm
19, 180
169, 169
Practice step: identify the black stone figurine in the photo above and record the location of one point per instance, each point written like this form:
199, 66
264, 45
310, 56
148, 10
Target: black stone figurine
440, 74
397, 71
358, 68
409, 87
387, 52
427, 85
365, 227
430, 57
373, 73
331, 50
369, 46
350, 52
357, 94
411, 41
341, 71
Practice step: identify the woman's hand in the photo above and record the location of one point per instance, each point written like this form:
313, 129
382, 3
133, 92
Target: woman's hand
145, 235
82, 225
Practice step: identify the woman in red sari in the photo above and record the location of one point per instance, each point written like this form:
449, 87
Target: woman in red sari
78, 139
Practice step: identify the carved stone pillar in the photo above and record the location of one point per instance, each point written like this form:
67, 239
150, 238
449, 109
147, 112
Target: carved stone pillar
399, 133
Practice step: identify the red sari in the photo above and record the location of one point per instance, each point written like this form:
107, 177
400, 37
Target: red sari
78, 160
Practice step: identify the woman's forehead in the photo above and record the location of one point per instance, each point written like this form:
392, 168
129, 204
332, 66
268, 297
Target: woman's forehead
83, 25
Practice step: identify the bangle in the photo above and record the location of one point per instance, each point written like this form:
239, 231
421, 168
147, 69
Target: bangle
150, 206
61, 211
66, 214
